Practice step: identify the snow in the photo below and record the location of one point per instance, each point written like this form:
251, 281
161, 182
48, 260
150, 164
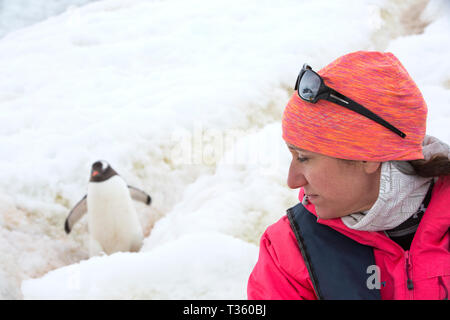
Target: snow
170, 271
15, 14
184, 99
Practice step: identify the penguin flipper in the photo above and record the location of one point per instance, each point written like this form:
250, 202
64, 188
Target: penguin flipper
75, 214
139, 195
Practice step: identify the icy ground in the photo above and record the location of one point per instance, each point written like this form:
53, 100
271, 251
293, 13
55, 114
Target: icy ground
15, 14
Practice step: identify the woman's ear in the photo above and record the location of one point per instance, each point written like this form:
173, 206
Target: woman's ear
371, 166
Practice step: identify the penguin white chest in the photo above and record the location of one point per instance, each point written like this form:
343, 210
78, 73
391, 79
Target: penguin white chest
112, 219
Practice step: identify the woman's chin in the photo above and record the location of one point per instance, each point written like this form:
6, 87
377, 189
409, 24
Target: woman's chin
326, 214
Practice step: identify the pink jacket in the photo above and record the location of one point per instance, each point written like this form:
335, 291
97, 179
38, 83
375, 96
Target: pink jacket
280, 272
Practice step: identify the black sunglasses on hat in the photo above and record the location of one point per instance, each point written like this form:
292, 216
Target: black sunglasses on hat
311, 88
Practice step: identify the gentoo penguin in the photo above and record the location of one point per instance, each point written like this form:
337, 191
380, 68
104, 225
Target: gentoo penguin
112, 219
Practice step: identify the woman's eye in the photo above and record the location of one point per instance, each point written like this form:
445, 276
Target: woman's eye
302, 159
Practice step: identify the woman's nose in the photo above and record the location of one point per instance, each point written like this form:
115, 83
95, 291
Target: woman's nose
295, 179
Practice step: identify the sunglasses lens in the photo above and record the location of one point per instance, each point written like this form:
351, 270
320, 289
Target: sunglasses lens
309, 86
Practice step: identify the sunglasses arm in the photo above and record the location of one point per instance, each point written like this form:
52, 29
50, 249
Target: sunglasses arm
348, 103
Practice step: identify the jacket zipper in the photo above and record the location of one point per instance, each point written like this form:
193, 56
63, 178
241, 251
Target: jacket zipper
409, 282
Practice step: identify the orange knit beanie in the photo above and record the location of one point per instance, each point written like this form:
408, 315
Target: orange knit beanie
380, 83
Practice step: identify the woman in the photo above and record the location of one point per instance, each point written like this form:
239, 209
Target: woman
374, 217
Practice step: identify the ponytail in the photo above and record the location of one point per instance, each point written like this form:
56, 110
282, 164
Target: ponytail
437, 165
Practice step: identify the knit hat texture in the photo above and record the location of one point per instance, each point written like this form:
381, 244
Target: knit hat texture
380, 83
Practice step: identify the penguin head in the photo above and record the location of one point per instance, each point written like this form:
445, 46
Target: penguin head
101, 171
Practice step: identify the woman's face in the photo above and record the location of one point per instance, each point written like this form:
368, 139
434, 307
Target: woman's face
336, 188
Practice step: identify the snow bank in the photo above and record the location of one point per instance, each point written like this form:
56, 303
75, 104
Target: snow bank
205, 266
16, 14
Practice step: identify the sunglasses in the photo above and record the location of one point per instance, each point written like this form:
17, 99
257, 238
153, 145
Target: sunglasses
311, 88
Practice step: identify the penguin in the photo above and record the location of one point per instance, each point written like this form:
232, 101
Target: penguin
112, 219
